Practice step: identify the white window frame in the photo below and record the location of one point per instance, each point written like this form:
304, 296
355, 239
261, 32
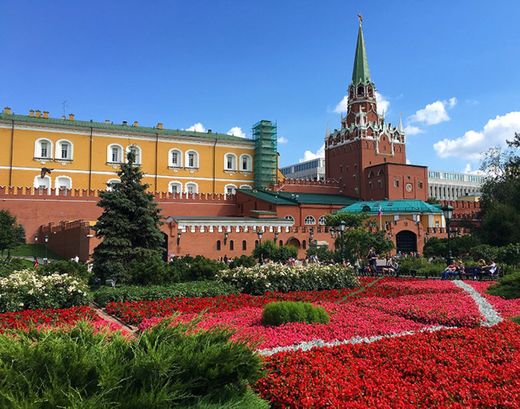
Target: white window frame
249, 163
187, 160
187, 185
230, 186
234, 161
246, 187
109, 153
175, 183
309, 220
57, 154
289, 217
38, 149
111, 182
170, 159
322, 220
138, 156
56, 186
47, 178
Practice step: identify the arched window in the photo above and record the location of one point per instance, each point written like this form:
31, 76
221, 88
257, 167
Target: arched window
246, 187
230, 189
42, 183
360, 90
64, 150
136, 150
43, 149
63, 183
322, 220
175, 187
289, 218
231, 245
244, 245
192, 188
111, 183
246, 163
114, 153
310, 220
219, 246
174, 158
230, 161
192, 159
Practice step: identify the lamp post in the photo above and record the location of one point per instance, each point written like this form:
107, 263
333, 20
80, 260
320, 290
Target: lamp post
311, 236
226, 235
259, 233
342, 227
46, 239
448, 213
276, 234
179, 234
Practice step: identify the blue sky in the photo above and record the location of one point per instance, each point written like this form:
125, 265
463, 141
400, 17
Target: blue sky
449, 67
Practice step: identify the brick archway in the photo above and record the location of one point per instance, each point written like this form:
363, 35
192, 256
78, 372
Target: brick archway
293, 241
406, 241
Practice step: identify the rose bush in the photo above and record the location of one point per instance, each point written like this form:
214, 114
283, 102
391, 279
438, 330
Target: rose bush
278, 277
27, 289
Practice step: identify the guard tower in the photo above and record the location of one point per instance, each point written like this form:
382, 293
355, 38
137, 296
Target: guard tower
266, 156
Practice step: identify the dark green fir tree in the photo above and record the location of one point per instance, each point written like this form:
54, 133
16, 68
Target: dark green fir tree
128, 227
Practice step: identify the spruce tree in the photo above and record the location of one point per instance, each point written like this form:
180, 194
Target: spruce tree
128, 226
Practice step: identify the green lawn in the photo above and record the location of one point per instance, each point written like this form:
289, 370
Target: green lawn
31, 250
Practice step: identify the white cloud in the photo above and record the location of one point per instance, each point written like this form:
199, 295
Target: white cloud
309, 155
236, 131
282, 140
198, 127
434, 113
468, 169
342, 106
473, 143
412, 130
408, 162
382, 104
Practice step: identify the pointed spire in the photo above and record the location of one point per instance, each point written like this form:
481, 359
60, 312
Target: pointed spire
400, 129
360, 74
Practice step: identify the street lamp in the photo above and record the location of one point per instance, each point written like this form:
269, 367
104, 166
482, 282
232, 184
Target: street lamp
342, 226
46, 239
448, 213
311, 236
179, 234
259, 233
276, 236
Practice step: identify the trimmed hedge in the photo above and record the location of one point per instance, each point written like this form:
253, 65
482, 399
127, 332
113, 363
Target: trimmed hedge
104, 295
166, 366
282, 312
260, 279
507, 287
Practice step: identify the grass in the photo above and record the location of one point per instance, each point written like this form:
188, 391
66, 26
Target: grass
31, 250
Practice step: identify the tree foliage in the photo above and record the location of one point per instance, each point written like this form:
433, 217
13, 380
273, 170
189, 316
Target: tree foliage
12, 234
128, 226
269, 250
500, 211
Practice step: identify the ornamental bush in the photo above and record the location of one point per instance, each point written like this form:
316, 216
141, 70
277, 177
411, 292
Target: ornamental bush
104, 295
277, 277
507, 287
282, 312
27, 289
71, 268
163, 367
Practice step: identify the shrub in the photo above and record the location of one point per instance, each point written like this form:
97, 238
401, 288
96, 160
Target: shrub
277, 277
421, 266
163, 367
507, 287
484, 251
150, 270
189, 268
27, 289
9, 266
71, 268
243, 261
104, 295
282, 312
269, 250
324, 254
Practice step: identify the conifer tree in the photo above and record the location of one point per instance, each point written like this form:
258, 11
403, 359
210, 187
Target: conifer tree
128, 226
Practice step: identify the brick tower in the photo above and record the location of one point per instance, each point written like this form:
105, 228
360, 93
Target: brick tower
358, 154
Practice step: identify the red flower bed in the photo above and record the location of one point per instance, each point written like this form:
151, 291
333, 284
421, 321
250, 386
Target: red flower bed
506, 308
46, 317
462, 368
137, 311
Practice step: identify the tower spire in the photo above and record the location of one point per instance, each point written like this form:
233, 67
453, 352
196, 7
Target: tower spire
360, 73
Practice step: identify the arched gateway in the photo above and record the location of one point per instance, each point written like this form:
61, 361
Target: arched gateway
406, 241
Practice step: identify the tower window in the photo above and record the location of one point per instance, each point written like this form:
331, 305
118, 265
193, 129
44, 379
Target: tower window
360, 90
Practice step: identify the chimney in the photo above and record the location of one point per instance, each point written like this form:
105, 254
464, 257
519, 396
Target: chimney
125, 123
38, 113
159, 125
46, 114
8, 111
31, 112
135, 124
71, 117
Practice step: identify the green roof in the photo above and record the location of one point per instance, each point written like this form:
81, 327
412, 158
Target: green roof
295, 198
360, 73
392, 207
118, 128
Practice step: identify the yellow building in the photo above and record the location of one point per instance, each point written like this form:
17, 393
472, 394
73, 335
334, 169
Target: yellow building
87, 155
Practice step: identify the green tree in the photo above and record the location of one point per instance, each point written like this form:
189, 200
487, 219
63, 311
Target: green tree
500, 212
12, 234
269, 250
128, 226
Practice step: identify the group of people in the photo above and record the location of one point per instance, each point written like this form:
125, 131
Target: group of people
457, 269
